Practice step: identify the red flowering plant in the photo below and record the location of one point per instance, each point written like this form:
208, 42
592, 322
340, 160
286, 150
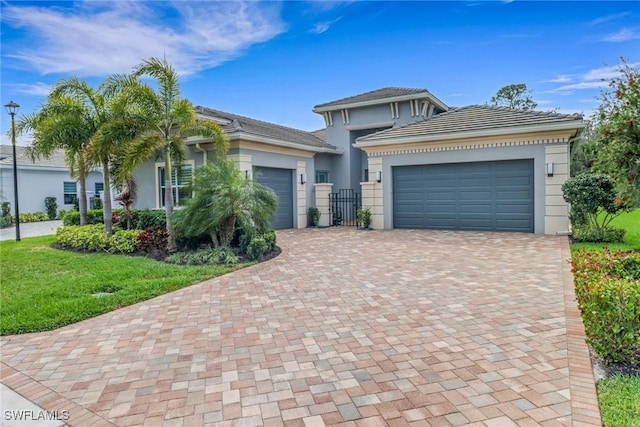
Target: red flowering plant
617, 132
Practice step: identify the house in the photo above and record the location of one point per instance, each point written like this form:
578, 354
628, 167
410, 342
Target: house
40, 179
416, 162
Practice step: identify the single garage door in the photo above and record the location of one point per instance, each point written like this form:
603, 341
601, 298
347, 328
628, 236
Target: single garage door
496, 196
280, 181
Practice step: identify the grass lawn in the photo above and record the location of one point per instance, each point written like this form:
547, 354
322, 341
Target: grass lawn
618, 396
45, 288
630, 221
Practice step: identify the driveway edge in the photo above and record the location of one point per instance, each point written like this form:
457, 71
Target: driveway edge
584, 399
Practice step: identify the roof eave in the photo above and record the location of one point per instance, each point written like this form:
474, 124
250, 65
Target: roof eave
573, 125
234, 136
420, 95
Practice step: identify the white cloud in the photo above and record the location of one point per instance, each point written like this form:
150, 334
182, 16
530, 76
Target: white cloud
96, 38
563, 78
592, 79
623, 35
37, 89
608, 18
322, 27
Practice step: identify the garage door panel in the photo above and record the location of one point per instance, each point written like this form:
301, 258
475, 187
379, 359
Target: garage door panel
494, 195
281, 182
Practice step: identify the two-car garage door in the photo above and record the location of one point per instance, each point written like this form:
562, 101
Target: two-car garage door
496, 196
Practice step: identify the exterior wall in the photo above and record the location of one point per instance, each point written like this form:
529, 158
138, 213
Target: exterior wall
36, 183
322, 192
347, 169
535, 152
556, 217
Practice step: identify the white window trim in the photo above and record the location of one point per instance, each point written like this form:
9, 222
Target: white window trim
159, 165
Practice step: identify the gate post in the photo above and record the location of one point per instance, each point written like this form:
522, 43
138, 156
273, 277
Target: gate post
373, 192
322, 203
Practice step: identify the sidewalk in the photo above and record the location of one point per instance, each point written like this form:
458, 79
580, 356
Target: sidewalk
31, 229
19, 412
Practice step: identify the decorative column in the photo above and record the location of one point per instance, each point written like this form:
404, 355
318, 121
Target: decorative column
372, 193
301, 177
556, 169
322, 203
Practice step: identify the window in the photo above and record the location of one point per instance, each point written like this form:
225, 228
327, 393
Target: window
180, 182
366, 175
70, 192
322, 177
99, 187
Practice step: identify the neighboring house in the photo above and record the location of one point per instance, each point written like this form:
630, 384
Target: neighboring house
40, 179
416, 163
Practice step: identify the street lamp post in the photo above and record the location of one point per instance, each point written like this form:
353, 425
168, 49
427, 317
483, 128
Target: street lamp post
12, 109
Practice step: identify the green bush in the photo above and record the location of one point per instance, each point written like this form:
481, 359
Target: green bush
313, 216
83, 237
93, 238
216, 256
608, 293
61, 214
33, 217
124, 241
590, 233
6, 221
258, 247
97, 202
147, 218
94, 216
52, 207
6, 208
364, 217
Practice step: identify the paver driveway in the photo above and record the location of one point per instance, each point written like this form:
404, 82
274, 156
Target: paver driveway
372, 328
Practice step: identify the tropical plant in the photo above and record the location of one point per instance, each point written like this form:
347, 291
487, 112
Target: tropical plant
224, 197
314, 216
63, 122
167, 119
364, 217
617, 132
52, 207
593, 203
126, 201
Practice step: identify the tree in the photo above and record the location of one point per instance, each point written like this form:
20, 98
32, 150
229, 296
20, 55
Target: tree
168, 120
617, 132
514, 96
224, 197
112, 128
63, 122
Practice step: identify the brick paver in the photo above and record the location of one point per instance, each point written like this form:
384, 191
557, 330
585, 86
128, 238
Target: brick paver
344, 327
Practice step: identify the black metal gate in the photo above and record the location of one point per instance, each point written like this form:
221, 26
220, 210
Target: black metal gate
344, 206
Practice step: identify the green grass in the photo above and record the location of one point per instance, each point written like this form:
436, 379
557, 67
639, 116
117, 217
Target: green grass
630, 221
43, 288
619, 398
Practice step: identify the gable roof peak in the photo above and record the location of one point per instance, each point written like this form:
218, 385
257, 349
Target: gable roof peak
390, 93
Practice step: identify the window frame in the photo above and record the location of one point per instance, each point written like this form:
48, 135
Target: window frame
326, 172
73, 195
175, 187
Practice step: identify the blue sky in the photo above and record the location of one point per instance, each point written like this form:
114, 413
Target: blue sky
275, 60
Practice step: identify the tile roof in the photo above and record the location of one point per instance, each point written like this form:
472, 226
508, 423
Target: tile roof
321, 133
474, 118
23, 159
236, 123
378, 94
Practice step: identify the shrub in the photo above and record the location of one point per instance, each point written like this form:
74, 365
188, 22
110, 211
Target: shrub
364, 217
51, 206
97, 202
589, 233
124, 241
153, 240
258, 247
6, 208
146, 218
6, 221
593, 201
314, 216
94, 216
61, 213
608, 293
33, 217
85, 237
219, 255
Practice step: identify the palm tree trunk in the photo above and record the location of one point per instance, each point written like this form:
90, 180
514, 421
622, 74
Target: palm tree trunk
82, 200
168, 202
106, 203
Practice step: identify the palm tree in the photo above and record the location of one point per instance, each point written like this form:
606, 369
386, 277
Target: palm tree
224, 197
113, 127
169, 119
64, 123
